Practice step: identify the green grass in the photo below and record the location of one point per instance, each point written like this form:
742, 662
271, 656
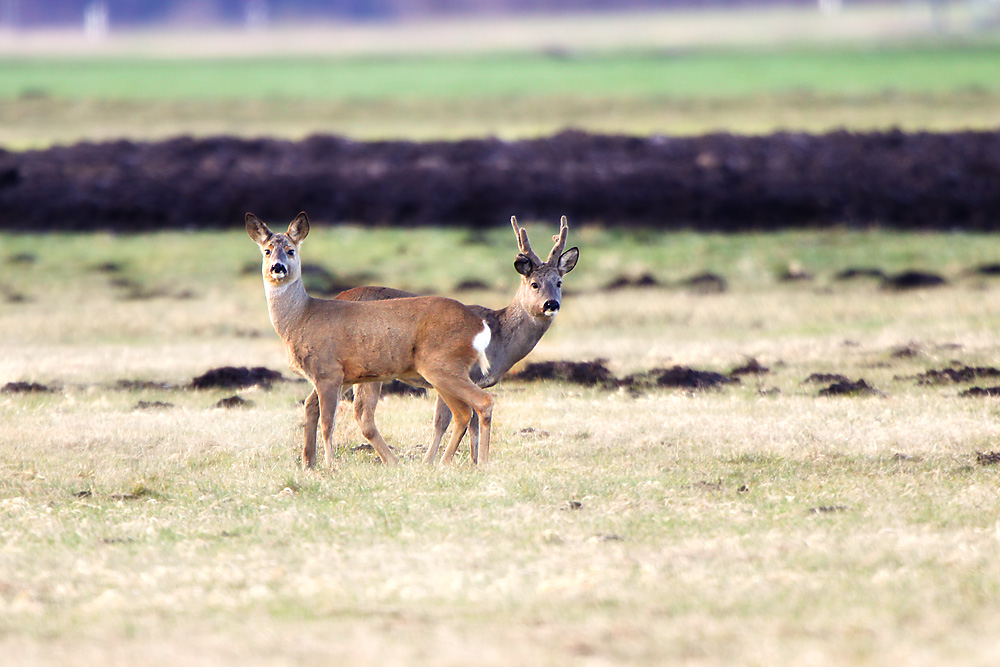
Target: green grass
916, 87
713, 74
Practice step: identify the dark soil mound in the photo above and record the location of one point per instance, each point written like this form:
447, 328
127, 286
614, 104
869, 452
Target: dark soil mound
25, 388
981, 392
991, 270
987, 458
679, 377
626, 282
825, 378
957, 374
848, 388
912, 280
706, 283
232, 377
862, 272
713, 182
397, 388
751, 367
587, 373
233, 401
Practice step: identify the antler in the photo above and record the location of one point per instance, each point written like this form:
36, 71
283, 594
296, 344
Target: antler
522, 242
560, 240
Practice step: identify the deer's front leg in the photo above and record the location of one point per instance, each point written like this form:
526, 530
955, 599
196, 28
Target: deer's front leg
329, 396
312, 422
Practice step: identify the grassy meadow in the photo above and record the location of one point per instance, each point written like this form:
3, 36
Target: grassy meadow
746, 71
756, 523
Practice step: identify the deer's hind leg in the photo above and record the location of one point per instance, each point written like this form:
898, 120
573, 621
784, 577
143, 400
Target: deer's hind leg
442, 418
465, 398
462, 414
365, 402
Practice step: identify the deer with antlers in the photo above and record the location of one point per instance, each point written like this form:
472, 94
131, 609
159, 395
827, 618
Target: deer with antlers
515, 329
333, 343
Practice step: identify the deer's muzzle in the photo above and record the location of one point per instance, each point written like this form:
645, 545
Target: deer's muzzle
550, 307
278, 270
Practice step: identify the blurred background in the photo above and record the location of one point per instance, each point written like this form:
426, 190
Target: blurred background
98, 15
74, 72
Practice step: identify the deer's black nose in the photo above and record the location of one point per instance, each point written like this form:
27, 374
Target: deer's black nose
278, 268
550, 306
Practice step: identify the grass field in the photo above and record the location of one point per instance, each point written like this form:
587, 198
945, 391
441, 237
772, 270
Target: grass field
755, 524
670, 73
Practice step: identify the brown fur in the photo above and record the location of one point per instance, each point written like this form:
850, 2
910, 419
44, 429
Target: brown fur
516, 328
336, 343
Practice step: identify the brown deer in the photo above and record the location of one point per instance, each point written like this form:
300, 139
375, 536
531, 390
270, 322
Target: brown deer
335, 343
516, 329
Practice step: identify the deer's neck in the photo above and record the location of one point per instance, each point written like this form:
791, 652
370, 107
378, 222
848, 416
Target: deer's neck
286, 304
516, 335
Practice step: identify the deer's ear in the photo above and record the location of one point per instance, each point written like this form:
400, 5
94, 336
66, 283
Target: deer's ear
298, 229
257, 230
523, 265
568, 260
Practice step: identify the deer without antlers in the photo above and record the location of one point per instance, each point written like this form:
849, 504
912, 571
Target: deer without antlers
516, 329
335, 343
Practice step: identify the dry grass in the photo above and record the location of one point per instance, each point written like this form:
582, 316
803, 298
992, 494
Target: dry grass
741, 525
32, 123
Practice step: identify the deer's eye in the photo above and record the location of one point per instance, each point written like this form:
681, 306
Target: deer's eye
534, 285
267, 252
558, 283
291, 252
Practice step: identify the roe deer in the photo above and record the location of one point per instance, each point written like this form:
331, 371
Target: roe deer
335, 343
516, 329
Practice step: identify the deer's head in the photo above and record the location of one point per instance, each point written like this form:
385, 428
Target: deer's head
281, 264
540, 293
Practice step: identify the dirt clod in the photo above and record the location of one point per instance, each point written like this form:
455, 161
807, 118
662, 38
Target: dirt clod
908, 280
860, 272
398, 388
628, 282
320, 282
825, 378
139, 385
706, 283
991, 270
587, 373
848, 388
232, 377
980, 392
958, 374
690, 378
751, 367
234, 401
987, 458
471, 285
25, 388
